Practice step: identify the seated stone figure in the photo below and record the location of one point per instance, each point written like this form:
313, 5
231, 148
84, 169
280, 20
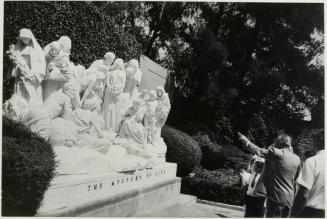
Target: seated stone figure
59, 104
131, 125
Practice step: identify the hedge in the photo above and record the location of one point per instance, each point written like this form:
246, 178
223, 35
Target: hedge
222, 185
181, 149
28, 166
93, 33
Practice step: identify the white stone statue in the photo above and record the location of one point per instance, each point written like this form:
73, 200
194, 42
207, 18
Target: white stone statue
131, 125
115, 102
60, 104
29, 67
65, 44
59, 70
133, 78
104, 65
162, 111
16, 108
150, 116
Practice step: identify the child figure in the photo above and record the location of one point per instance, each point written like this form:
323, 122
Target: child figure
255, 198
150, 115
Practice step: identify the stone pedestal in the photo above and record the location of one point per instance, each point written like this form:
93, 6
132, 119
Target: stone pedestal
111, 194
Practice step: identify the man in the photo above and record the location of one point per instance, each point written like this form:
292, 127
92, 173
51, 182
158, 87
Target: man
278, 175
310, 197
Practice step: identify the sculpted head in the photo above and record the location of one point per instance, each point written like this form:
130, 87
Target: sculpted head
160, 91
109, 58
71, 89
25, 36
54, 48
136, 103
65, 44
15, 108
129, 71
134, 63
119, 63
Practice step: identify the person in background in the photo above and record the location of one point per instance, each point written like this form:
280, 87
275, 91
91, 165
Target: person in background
254, 199
279, 174
310, 197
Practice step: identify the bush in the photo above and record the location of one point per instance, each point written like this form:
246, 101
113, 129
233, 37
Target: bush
222, 185
28, 165
212, 155
181, 149
93, 33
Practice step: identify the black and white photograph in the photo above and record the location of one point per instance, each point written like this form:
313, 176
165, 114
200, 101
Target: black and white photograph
198, 109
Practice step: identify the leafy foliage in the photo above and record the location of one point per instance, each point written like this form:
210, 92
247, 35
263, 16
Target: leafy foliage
181, 149
222, 185
28, 165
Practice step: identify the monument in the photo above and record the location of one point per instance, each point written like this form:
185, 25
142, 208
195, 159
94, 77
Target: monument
104, 124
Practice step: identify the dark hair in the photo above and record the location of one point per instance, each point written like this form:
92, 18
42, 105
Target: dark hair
319, 140
283, 141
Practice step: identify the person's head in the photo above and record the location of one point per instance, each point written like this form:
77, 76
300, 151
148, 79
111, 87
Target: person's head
65, 44
136, 103
134, 63
283, 141
129, 71
119, 64
109, 58
319, 140
70, 88
160, 91
25, 36
54, 48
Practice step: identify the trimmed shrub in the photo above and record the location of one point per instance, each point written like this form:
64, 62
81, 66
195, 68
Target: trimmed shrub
212, 155
181, 149
93, 33
222, 185
28, 166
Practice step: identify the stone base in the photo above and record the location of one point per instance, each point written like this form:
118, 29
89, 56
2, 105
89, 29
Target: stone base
110, 194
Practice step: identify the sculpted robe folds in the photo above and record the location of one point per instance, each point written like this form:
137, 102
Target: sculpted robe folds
115, 102
34, 58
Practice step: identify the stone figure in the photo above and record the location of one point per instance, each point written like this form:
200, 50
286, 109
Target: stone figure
60, 104
131, 126
115, 102
16, 108
92, 97
133, 78
59, 70
104, 65
150, 116
65, 44
161, 112
29, 67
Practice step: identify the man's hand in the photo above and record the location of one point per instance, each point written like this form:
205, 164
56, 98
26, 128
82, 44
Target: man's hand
242, 138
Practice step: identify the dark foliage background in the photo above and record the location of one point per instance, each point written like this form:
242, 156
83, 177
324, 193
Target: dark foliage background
28, 166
